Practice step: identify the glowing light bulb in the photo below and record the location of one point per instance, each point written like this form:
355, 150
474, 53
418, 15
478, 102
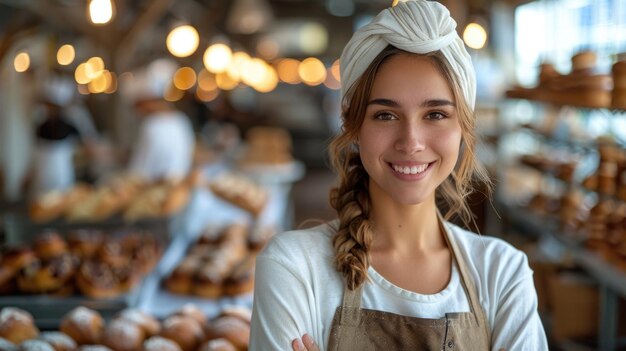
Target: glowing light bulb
475, 36
100, 11
21, 62
182, 41
66, 55
217, 58
312, 71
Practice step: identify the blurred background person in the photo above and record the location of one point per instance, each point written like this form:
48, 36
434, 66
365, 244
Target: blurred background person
165, 141
57, 137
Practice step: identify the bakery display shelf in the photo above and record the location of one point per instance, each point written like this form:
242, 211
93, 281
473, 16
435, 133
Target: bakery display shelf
552, 171
553, 177
289, 172
113, 221
611, 281
160, 303
561, 99
565, 185
616, 198
549, 138
542, 226
570, 112
583, 145
49, 310
19, 228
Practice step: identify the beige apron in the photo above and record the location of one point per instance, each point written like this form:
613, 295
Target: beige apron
354, 328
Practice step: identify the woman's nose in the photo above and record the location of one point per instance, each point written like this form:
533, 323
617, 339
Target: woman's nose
411, 139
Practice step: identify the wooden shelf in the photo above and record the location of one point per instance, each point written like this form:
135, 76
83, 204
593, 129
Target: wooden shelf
545, 226
581, 98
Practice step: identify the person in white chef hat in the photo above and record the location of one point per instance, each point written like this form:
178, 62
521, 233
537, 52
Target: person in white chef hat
57, 138
165, 142
392, 272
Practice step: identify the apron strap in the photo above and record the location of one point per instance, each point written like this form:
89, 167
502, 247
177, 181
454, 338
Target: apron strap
351, 305
466, 281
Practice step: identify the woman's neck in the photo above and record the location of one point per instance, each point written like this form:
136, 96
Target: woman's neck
405, 228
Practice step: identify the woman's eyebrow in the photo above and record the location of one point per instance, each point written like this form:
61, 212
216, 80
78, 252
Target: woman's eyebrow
427, 103
438, 103
384, 102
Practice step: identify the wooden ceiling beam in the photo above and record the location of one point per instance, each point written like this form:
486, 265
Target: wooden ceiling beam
127, 47
71, 18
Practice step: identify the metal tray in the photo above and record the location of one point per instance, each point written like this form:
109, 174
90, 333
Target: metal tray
48, 310
160, 303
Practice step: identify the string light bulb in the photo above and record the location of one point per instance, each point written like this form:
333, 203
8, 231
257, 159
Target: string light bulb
21, 63
101, 11
217, 58
66, 55
475, 36
183, 41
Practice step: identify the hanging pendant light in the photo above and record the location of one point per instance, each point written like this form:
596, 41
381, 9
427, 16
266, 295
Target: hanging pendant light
101, 12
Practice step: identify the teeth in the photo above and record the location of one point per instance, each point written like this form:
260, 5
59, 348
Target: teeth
410, 170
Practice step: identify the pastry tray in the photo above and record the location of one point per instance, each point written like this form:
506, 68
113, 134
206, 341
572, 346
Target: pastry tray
160, 303
21, 229
48, 310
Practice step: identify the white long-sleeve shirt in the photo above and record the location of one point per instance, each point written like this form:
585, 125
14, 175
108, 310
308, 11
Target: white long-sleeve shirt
297, 290
164, 148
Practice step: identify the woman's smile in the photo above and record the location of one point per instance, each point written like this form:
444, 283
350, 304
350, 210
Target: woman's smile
410, 171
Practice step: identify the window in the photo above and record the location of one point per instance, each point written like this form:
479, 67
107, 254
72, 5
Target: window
555, 30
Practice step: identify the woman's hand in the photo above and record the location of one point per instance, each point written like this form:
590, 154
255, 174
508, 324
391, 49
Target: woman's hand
304, 344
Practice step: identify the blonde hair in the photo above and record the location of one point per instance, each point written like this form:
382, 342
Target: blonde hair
351, 197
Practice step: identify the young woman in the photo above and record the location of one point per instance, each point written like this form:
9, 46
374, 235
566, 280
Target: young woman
390, 273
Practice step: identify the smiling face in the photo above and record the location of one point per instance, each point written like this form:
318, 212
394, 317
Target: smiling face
410, 136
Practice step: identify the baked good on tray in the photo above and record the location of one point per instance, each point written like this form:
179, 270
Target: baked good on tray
240, 192
84, 329
220, 263
83, 324
192, 311
150, 325
58, 340
219, 344
232, 329
123, 335
47, 276
17, 325
158, 343
35, 345
185, 331
88, 262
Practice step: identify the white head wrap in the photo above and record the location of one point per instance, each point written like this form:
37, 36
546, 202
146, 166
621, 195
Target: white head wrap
417, 26
151, 82
57, 90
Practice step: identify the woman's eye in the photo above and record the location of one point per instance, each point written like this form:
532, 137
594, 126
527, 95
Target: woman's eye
385, 116
436, 116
